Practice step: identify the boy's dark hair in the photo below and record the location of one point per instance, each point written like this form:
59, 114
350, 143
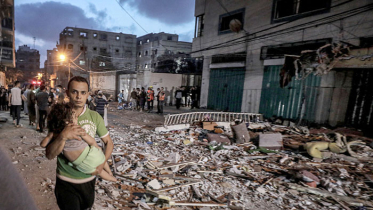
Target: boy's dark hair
57, 121
42, 87
31, 86
77, 79
16, 83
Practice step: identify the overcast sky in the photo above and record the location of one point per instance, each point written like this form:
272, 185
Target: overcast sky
46, 19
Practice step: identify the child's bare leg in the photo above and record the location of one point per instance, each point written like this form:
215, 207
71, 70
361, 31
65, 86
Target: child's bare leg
105, 175
107, 169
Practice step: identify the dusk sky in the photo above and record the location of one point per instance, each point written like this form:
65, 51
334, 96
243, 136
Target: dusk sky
46, 19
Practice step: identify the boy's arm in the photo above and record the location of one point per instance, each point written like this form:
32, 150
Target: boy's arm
46, 140
56, 146
108, 150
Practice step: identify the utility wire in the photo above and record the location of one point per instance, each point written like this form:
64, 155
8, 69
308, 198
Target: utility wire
131, 16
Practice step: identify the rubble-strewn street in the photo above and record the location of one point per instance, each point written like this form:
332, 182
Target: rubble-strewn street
197, 167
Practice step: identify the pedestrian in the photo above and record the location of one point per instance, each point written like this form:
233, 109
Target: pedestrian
138, 98
133, 99
75, 189
3, 99
15, 100
162, 96
100, 104
150, 98
24, 96
31, 105
157, 96
178, 97
194, 97
120, 98
42, 102
142, 99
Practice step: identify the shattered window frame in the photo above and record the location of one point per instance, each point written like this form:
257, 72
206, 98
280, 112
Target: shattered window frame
226, 18
83, 34
200, 25
298, 6
95, 35
117, 38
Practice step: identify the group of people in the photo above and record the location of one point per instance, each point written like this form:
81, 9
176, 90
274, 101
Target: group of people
34, 101
190, 97
140, 98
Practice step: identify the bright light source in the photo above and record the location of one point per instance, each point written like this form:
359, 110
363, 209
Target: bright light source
62, 57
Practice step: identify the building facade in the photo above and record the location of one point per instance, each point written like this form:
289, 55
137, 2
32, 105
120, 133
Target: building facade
28, 61
7, 46
244, 45
159, 53
93, 51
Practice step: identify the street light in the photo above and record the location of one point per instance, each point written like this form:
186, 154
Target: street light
63, 58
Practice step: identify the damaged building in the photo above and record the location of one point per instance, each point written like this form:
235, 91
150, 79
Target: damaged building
247, 42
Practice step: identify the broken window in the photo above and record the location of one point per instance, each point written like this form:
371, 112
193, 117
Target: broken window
81, 62
94, 35
169, 37
140, 42
293, 9
146, 66
225, 20
148, 40
103, 37
7, 23
116, 50
139, 54
83, 35
94, 48
70, 46
200, 24
155, 51
146, 53
101, 63
117, 38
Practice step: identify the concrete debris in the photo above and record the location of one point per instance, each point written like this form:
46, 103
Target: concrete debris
191, 166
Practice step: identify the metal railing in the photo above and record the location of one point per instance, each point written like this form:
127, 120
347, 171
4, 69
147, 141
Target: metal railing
191, 117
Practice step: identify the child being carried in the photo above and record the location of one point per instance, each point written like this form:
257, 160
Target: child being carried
85, 155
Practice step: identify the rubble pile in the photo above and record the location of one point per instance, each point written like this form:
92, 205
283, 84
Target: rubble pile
201, 165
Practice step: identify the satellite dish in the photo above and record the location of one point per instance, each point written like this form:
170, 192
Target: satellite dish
235, 25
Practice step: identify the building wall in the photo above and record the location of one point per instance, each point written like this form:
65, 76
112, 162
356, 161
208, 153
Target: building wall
258, 22
2, 79
28, 61
169, 81
104, 81
7, 43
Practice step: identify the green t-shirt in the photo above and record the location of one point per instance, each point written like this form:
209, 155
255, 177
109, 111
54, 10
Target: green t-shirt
93, 124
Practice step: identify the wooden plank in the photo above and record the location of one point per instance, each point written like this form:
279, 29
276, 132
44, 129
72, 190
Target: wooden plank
177, 164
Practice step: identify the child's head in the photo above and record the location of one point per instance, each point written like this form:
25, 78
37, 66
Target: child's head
60, 115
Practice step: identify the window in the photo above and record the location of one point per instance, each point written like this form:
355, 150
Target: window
146, 53
83, 34
117, 38
101, 63
94, 35
147, 40
81, 62
83, 48
137, 66
102, 50
146, 66
284, 10
224, 20
103, 37
116, 50
169, 37
7, 23
200, 24
139, 54
140, 42
155, 51
94, 48
70, 46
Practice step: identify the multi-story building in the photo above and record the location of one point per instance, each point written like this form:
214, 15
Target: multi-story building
160, 53
28, 61
7, 47
244, 43
93, 51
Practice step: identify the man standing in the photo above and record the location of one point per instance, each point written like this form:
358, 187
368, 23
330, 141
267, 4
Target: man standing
31, 105
24, 97
134, 99
157, 96
162, 96
100, 104
178, 96
74, 189
15, 100
42, 101
150, 95
120, 98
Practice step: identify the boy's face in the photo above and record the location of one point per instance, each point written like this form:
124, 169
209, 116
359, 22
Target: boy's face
78, 93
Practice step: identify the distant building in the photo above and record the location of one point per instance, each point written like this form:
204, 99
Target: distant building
96, 51
7, 47
28, 61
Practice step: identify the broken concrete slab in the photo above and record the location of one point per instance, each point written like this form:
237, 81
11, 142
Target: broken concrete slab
172, 128
271, 141
218, 138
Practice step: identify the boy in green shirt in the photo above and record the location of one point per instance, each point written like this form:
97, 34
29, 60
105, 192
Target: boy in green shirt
75, 189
